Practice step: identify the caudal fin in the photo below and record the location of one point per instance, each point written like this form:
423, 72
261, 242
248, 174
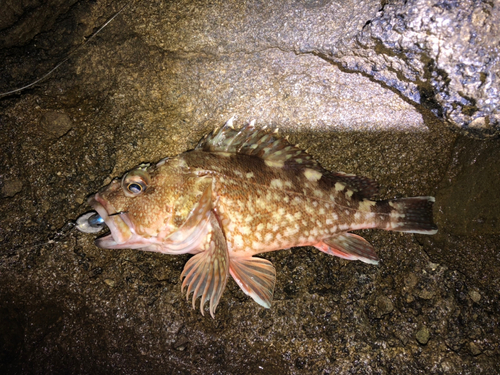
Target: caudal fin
411, 215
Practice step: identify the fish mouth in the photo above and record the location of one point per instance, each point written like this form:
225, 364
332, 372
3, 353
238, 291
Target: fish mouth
120, 226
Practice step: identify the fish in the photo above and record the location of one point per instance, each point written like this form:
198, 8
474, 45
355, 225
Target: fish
242, 192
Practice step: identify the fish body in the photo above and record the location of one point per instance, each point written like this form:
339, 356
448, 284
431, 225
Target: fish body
242, 192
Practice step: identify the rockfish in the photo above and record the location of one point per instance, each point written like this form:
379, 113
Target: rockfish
239, 193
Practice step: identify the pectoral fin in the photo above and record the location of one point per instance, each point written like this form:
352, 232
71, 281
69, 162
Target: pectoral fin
349, 246
205, 274
191, 234
256, 277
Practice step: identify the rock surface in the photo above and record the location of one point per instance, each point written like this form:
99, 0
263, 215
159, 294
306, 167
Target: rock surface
442, 54
150, 85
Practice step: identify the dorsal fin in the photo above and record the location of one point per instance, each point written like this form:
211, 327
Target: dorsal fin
256, 142
279, 152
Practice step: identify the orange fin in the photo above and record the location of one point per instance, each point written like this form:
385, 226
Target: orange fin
206, 273
349, 246
256, 277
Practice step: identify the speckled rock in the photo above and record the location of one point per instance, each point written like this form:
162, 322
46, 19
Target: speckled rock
442, 54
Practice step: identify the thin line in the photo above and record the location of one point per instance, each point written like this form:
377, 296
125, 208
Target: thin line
69, 55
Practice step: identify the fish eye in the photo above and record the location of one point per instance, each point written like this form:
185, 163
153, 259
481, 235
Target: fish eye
136, 188
135, 182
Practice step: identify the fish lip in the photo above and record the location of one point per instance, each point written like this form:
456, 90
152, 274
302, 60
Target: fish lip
120, 226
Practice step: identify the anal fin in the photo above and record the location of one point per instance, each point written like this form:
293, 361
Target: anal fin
349, 246
256, 277
206, 273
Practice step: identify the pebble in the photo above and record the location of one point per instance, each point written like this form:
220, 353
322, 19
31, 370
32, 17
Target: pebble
423, 335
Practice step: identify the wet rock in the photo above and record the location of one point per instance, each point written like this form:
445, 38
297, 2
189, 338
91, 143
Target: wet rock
440, 54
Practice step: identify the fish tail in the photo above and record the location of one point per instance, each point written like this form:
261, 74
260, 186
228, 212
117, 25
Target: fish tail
411, 215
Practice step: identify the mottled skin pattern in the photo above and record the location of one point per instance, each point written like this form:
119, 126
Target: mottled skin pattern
265, 208
244, 192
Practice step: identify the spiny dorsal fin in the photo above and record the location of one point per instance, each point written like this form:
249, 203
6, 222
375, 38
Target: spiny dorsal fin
279, 152
256, 142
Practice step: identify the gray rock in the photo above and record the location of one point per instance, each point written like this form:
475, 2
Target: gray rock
442, 54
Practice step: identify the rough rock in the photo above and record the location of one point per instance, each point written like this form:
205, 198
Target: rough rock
442, 54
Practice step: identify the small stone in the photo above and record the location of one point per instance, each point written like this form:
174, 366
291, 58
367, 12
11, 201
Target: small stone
474, 348
11, 187
433, 266
478, 123
383, 306
426, 294
475, 296
411, 280
110, 282
55, 124
181, 343
423, 335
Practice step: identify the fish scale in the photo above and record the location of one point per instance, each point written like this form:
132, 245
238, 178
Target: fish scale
242, 192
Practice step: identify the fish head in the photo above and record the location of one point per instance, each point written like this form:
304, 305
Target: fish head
136, 208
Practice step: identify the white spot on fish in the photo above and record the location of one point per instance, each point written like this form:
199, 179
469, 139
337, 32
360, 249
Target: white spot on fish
339, 186
318, 193
274, 163
366, 205
238, 241
261, 203
276, 183
249, 175
312, 175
